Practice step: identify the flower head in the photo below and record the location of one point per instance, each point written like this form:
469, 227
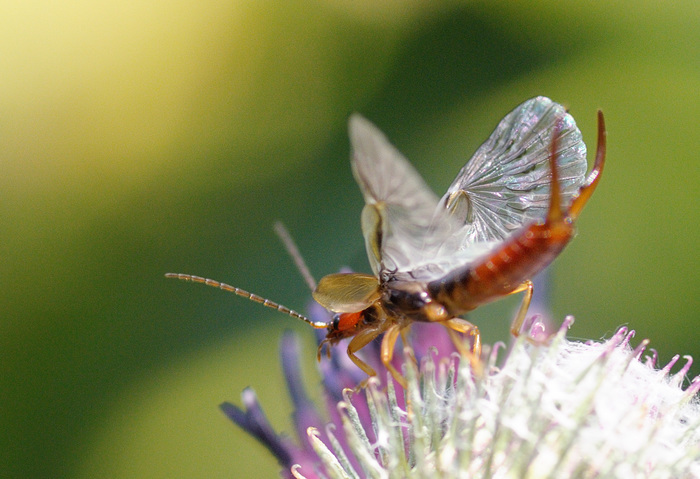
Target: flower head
563, 409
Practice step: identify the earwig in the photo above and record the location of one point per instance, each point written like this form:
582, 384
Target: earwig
468, 249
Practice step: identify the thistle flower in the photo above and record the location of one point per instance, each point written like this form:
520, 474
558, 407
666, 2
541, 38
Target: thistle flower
559, 410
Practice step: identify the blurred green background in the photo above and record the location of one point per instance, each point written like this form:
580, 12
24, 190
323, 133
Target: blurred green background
138, 138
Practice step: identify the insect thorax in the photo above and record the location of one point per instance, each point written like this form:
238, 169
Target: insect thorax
410, 301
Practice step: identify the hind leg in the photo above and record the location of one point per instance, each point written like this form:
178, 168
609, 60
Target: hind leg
455, 326
517, 324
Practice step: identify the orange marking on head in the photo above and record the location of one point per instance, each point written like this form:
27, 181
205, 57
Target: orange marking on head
348, 321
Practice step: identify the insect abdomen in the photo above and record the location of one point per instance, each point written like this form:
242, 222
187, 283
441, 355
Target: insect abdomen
504, 270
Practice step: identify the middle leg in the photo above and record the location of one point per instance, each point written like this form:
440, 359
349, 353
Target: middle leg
388, 344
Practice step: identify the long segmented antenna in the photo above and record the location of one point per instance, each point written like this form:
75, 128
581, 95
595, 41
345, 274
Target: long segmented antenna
293, 251
246, 294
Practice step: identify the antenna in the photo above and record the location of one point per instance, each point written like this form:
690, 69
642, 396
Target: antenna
293, 251
246, 294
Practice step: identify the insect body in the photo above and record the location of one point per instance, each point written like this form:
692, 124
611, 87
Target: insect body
508, 214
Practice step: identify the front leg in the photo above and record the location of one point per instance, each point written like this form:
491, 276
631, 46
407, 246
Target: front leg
362, 339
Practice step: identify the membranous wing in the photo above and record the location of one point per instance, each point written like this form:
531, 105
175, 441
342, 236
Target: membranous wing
506, 183
411, 235
398, 218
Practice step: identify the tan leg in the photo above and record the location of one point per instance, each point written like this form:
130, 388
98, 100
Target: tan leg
459, 325
388, 344
362, 339
517, 323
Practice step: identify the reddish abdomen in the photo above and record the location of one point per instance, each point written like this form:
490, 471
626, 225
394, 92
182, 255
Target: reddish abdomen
498, 274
